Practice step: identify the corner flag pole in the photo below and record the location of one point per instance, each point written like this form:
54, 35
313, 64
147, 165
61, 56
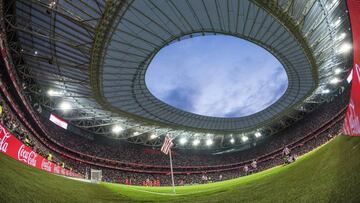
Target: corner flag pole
172, 173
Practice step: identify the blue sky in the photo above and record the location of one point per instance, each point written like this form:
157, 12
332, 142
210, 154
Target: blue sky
219, 76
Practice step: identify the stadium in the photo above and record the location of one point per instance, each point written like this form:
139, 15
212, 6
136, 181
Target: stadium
179, 101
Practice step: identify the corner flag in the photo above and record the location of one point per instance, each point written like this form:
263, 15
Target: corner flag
167, 145
166, 148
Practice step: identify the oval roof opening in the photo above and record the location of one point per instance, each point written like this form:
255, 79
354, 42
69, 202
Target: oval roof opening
216, 75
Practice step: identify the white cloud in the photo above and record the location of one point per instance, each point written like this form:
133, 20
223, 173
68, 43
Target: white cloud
216, 76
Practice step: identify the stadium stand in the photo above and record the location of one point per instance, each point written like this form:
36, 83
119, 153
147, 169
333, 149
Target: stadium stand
148, 167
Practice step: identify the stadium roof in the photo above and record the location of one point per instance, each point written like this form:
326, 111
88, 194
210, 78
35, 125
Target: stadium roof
94, 55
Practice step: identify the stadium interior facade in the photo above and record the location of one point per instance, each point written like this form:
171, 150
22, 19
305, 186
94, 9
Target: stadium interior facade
85, 62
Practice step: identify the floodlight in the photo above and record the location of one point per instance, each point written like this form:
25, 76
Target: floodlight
117, 129
344, 48
52, 92
334, 80
183, 140
341, 36
326, 91
52, 4
209, 142
232, 140
65, 106
153, 136
258, 134
337, 71
196, 142
244, 138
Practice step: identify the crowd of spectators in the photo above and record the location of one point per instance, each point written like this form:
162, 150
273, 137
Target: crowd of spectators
248, 160
15, 127
118, 176
9, 120
132, 153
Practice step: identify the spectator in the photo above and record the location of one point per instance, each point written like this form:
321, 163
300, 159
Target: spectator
246, 169
254, 165
286, 151
49, 157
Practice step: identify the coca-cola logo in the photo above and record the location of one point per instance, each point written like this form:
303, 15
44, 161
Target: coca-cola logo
46, 165
28, 157
3, 144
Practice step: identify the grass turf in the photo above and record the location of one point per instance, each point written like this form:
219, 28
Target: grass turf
328, 174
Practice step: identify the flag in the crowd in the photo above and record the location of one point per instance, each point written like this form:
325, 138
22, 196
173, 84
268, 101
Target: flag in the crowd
58, 121
167, 145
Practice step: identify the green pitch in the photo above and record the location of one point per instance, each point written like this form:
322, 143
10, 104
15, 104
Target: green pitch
328, 174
